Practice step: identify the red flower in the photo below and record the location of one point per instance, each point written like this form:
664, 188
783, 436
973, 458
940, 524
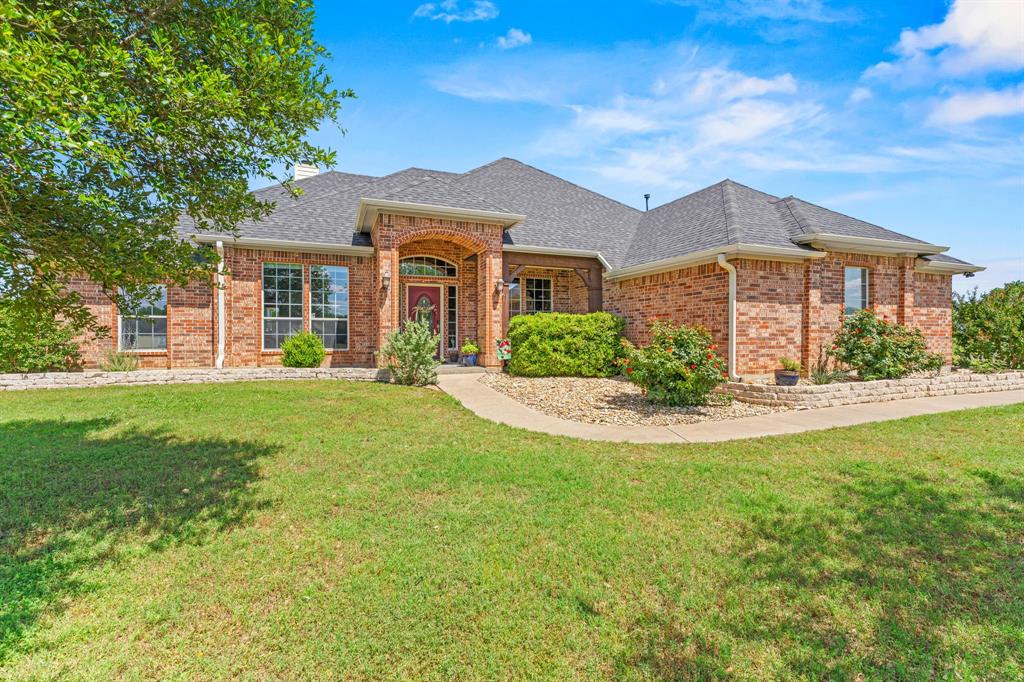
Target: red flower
629, 370
669, 350
710, 356
725, 375
693, 365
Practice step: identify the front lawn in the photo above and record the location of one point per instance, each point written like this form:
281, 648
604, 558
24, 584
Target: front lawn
332, 529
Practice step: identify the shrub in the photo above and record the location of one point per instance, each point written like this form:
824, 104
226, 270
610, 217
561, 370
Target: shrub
988, 329
119, 361
563, 344
33, 343
879, 349
789, 364
679, 367
410, 354
304, 349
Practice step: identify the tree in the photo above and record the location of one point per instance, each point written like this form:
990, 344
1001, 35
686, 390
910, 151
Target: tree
120, 118
988, 329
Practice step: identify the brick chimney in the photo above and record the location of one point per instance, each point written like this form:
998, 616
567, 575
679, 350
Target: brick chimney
305, 170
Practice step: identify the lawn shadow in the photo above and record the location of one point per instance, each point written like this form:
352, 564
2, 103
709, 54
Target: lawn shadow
77, 495
894, 577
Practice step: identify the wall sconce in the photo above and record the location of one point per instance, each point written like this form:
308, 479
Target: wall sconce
385, 279
498, 286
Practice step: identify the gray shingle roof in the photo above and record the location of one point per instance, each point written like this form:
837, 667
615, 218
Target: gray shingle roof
559, 214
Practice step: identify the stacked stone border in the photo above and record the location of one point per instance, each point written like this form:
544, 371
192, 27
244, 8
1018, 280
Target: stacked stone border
14, 382
849, 393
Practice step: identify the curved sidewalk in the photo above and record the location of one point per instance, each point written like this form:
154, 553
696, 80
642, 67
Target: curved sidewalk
490, 404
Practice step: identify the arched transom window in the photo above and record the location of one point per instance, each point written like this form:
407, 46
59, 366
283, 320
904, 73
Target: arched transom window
426, 266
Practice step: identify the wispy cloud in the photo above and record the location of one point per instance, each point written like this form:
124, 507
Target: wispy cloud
736, 11
975, 37
452, 10
859, 94
514, 38
971, 106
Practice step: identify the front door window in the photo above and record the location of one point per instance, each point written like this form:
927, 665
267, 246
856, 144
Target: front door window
425, 311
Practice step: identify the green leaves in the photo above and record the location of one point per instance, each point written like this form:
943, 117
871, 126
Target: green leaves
563, 344
988, 329
680, 367
118, 119
879, 349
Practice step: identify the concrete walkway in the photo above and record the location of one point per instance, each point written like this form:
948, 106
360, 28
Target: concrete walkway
490, 404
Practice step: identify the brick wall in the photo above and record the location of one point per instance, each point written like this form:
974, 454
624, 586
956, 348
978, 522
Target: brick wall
244, 303
769, 314
933, 311
696, 295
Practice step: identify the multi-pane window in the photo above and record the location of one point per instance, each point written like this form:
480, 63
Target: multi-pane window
453, 318
856, 289
426, 266
282, 303
328, 292
145, 328
537, 296
515, 298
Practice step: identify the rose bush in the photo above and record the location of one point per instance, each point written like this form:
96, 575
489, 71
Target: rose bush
879, 349
679, 367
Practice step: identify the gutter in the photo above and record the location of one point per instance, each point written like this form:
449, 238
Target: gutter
754, 251
221, 322
868, 245
945, 267
731, 360
370, 208
287, 245
557, 251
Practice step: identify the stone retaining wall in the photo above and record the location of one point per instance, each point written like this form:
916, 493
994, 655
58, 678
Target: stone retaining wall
13, 382
848, 393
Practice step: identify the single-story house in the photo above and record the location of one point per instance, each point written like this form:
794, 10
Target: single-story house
355, 255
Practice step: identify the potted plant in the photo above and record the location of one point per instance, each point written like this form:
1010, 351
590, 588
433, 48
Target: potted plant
789, 375
469, 352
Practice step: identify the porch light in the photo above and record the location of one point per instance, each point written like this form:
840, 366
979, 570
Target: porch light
499, 285
385, 278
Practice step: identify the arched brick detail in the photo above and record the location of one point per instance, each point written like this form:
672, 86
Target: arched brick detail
455, 236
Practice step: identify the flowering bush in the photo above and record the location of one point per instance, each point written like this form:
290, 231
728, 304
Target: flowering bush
679, 367
879, 349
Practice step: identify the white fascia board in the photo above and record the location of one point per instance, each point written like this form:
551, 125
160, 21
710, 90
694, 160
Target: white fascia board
868, 245
754, 251
286, 245
944, 268
369, 209
555, 251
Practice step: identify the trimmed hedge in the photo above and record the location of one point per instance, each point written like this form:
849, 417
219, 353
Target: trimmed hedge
565, 345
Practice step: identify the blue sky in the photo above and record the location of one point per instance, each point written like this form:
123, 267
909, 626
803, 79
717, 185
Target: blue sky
906, 114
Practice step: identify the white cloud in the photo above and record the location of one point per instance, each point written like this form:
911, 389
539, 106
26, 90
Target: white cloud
860, 94
514, 38
750, 119
977, 36
967, 107
450, 10
613, 120
735, 11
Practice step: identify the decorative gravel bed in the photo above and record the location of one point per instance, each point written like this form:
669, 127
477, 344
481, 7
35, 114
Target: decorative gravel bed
611, 401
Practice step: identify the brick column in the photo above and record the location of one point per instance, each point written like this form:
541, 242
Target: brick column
388, 300
906, 298
813, 330
490, 306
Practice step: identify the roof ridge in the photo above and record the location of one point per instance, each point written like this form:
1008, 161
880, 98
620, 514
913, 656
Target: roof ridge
798, 217
845, 215
552, 175
449, 182
733, 236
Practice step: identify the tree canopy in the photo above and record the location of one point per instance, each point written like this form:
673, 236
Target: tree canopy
118, 117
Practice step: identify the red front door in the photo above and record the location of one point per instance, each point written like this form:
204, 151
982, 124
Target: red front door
425, 304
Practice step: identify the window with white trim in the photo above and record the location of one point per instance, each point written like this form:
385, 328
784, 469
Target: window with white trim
145, 329
515, 298
328, 305
453, 318
282, 303
537, 296
426, 266
855, 293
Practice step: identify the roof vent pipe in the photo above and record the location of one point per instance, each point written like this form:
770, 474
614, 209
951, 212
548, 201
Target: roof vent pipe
647, 202
305, 170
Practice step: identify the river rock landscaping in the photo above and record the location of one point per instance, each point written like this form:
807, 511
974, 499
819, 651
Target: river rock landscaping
613, 401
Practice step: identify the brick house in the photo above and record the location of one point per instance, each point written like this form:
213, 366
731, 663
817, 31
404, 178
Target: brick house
355, 255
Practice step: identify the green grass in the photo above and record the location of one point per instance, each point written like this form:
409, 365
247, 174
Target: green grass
339, 530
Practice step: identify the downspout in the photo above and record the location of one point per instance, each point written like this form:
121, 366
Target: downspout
219, 364
731, 269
